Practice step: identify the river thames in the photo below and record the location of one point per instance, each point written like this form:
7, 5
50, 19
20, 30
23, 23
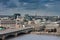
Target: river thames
35, 37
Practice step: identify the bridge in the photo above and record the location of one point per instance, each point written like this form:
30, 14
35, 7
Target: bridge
15, 32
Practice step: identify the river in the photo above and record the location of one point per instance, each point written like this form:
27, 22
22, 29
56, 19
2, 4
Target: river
35, 37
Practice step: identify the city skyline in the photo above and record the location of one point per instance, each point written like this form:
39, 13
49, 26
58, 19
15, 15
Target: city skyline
39, 7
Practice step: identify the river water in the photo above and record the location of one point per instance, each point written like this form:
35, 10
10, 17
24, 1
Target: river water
36, 37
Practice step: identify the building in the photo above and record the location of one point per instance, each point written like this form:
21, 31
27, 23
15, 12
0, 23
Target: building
15, 15
27, 17
8, 23
13, 21
37, 21
51, 27
58, 30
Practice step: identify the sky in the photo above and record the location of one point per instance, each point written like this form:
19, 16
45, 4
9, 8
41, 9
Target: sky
32, 7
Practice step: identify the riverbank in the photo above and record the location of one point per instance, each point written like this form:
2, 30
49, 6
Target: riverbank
46, 33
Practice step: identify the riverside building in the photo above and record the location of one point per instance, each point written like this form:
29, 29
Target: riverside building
13, 21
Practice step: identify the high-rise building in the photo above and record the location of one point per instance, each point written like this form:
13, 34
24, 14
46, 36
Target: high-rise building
16, 15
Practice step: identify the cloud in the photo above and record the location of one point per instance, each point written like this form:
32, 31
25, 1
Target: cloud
4, 2
29, 1
27, 4
46, 6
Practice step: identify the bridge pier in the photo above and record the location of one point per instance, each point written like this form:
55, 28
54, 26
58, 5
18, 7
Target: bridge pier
26, 31
16, 34
3, 37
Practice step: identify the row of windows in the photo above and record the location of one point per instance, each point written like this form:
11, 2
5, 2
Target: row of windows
8, 23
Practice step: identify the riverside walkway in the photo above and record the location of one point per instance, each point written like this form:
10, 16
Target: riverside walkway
15, 32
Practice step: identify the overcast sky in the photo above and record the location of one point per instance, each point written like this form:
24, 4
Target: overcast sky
32, 7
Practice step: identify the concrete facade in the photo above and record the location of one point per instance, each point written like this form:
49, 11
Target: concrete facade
16, 23
52, 27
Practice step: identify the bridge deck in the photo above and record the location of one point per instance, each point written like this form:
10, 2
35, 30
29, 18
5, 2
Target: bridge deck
12, 30
16, 31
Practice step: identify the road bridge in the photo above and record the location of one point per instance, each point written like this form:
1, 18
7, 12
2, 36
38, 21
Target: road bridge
15, 32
